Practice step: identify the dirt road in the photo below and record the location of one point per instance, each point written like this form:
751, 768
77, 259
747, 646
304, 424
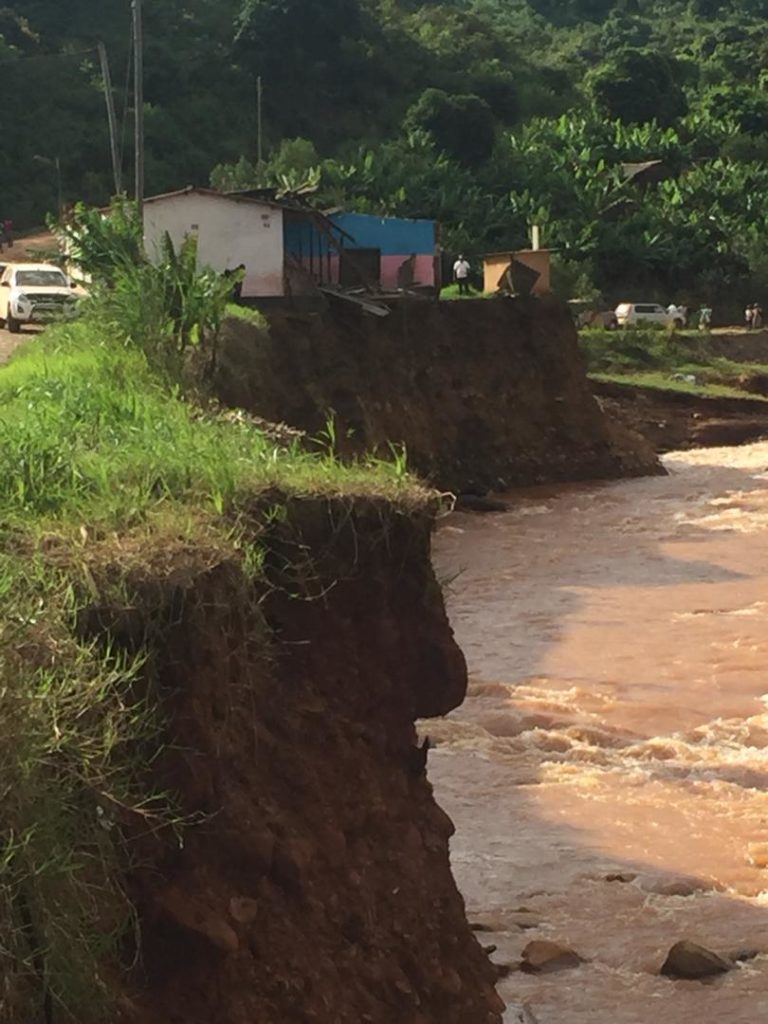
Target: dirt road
10, 342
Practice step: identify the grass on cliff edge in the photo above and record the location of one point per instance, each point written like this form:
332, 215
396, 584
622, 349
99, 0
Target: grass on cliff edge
96, 455
657, 359
88, 435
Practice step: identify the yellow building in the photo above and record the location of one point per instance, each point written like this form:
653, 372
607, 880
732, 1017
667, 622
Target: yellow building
522, 272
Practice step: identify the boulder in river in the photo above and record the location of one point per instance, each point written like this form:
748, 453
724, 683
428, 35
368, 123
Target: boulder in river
519, 1013
480, 503
674, 885
543, 957
689, 960
744, 955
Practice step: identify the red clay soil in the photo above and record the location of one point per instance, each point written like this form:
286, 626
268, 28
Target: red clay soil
485, 395
317, 886
675, 421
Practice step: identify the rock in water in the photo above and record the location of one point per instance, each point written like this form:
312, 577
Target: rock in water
519, 1013
476, 503
543, 957
744, 955
688, 960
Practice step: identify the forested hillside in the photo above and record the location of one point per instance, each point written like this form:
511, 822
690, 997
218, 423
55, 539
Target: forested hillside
487, 114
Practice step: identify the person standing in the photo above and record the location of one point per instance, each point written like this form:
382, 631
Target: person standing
749, 314
757, 316
461, 269
705, 317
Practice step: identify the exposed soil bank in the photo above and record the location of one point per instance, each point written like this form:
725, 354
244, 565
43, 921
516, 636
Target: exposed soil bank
675, 421
485, 395
317, 885
740, 346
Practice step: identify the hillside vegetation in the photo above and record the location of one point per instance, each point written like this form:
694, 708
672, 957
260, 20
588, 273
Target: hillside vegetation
486, 114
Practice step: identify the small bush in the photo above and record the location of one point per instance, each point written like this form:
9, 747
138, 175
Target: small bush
637, 348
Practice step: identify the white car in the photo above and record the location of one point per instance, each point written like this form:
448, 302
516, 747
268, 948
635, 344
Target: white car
34, 293
636, 314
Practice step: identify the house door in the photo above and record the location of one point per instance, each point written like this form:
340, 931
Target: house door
360, 267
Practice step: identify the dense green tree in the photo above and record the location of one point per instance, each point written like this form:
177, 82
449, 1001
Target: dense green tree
638, 86
745, 107
462, 126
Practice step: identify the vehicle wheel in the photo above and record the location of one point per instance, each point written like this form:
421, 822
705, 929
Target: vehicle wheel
13, 325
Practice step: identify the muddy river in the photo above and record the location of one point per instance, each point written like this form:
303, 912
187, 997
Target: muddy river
608, 772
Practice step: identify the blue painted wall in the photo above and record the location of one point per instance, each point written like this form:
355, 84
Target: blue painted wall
302, 237
393, 235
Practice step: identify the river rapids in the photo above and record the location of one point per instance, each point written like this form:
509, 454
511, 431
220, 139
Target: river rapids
607, 773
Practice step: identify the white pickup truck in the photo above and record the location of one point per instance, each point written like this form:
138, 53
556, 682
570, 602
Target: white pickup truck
34, 293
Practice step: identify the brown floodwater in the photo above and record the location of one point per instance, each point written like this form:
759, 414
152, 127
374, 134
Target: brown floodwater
616, 725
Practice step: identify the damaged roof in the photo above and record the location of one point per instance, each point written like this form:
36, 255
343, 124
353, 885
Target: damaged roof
233, 197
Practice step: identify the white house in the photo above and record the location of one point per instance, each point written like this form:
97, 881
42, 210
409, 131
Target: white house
231, 231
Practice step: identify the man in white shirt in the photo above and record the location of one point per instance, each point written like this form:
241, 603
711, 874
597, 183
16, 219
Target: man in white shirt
461, 269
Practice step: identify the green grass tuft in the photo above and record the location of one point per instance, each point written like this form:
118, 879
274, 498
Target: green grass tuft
102, 464
88, 433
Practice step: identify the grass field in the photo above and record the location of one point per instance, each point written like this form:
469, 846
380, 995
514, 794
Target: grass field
658, 359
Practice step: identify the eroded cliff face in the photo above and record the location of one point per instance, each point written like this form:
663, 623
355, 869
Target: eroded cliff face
315, 883
485, 395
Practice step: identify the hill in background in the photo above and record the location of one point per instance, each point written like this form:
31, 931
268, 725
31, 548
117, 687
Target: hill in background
486, 114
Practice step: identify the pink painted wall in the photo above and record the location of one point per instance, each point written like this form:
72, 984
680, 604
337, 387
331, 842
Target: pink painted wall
424, 269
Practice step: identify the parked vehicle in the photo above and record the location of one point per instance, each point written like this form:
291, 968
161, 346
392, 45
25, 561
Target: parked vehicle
604, 318
33, 293
637, 314
588, 313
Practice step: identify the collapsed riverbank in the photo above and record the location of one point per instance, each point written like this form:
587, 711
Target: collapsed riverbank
682, 391
212, 654
676, 420
483, 395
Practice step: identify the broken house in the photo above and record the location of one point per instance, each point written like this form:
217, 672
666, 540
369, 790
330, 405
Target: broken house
646, 172
231, 231
290, 250
359, 250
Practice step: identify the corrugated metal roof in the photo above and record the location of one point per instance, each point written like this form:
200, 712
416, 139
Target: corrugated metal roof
229, 197
631, 170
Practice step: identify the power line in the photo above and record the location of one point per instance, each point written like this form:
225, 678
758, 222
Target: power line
111, 118
138, 104
126, 97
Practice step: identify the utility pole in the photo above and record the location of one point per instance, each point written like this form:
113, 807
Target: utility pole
59, 191
55, 163
259, 121
112, 119
138, 101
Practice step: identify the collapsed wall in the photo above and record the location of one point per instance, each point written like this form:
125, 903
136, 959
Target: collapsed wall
485, 394
313, 881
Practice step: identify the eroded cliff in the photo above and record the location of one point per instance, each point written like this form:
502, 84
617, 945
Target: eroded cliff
313, 881
485, 395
